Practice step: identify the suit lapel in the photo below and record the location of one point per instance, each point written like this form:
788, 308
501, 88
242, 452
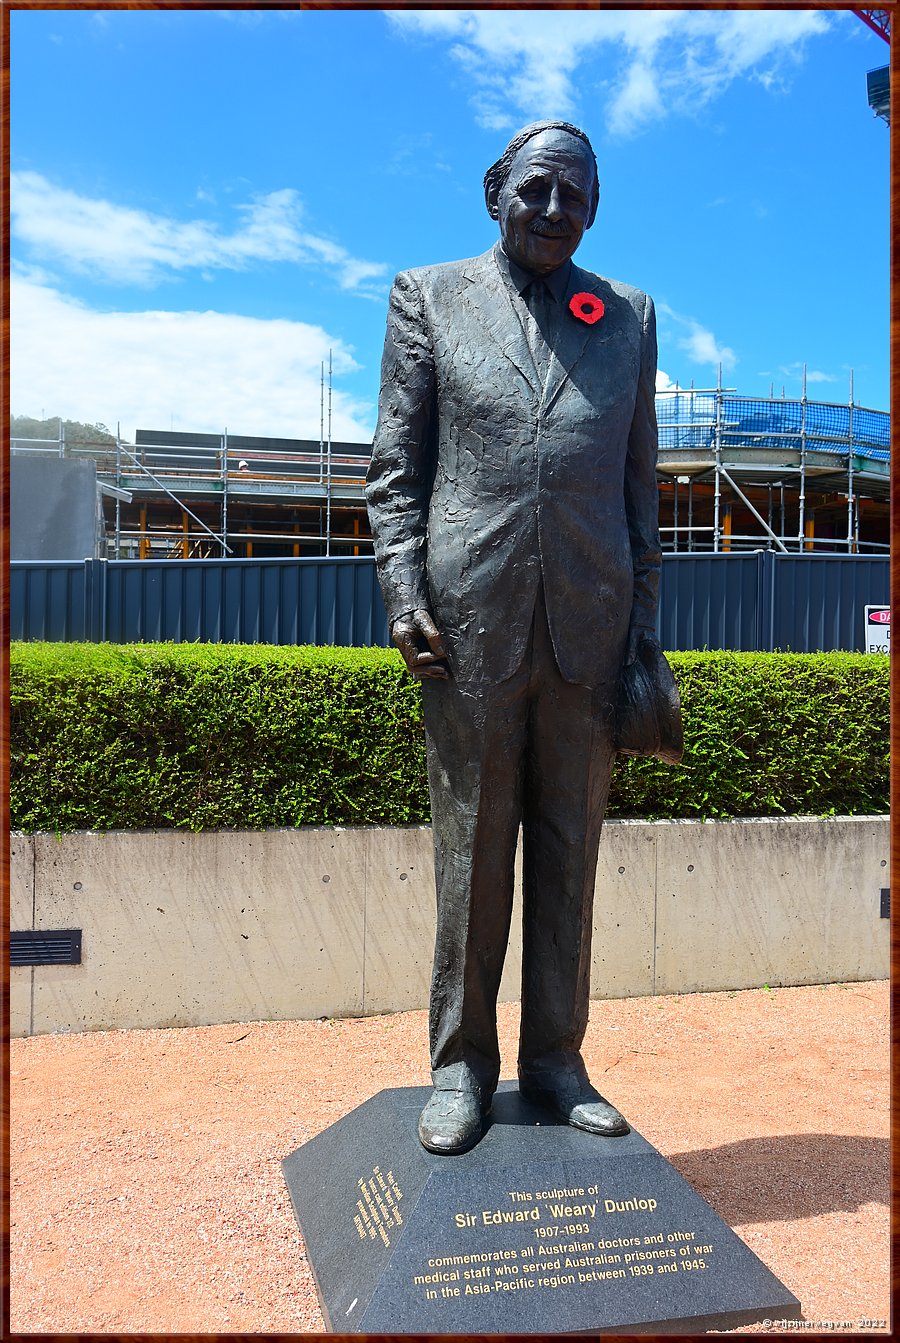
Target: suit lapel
574, 335
486, 293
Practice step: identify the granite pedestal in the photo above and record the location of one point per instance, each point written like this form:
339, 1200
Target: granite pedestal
540, 1228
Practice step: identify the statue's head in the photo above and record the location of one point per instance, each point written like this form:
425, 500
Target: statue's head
543, 191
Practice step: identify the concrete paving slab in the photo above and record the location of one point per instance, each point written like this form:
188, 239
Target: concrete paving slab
857, 938
751, 902
400, 903
184, 929
21, 903
716, 888
624, 911
511, 979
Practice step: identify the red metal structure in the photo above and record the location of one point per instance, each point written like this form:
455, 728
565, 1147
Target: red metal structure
879, 20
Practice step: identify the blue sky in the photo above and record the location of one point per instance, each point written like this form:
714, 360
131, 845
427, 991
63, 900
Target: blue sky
205, 203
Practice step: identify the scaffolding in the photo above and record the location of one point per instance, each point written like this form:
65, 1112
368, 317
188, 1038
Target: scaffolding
784, 469
735, 473
229, 494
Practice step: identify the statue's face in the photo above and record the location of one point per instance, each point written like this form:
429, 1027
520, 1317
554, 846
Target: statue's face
544, 206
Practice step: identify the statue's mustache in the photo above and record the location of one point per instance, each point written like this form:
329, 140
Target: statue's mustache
547, 228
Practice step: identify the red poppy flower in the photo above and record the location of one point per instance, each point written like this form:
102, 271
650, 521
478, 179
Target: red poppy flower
586, 307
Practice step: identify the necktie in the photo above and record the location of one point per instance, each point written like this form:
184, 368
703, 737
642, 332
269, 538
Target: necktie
539, 325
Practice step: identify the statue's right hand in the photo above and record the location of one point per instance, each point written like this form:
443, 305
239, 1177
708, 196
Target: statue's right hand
420, 642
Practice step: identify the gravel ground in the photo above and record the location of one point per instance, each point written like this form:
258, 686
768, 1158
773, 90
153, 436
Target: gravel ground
147, 1194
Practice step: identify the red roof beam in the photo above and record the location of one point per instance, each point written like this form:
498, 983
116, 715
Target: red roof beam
879, 20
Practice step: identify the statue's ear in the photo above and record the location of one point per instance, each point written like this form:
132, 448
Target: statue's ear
595, 201
492, 190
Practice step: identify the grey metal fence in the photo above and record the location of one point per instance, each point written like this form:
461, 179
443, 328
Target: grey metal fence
711, 601
818, 601
760, 601
279, 601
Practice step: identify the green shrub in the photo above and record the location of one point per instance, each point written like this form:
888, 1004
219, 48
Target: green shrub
216, 736
769, 734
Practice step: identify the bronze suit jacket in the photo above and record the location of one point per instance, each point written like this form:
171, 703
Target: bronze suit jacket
483, 481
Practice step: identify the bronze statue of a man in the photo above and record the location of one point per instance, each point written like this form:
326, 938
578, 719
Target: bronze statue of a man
513, 501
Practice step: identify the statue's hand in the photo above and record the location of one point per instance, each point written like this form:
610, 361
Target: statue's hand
636, 636
420, 642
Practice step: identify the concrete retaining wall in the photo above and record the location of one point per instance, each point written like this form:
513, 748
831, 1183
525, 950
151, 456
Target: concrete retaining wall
184, 930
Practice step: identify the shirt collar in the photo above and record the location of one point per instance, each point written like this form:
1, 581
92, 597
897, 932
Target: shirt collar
557, 281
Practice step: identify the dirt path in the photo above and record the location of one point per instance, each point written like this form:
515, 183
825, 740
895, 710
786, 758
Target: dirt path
147, 1195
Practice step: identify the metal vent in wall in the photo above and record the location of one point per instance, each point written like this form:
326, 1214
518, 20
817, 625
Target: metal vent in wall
45, 946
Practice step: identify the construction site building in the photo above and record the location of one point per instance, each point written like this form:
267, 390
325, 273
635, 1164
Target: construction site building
735, 473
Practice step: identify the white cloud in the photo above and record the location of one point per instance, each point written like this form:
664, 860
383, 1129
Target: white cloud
664, 383
129, 246
752, 38
795, 370
701, 345
198, 370
525, 65
697, 341
816, 375
637, 100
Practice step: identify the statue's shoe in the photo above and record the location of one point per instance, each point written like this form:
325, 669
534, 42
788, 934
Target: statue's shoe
577, 1103
452, 1121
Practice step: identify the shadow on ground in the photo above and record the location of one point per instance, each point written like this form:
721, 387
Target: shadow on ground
779, 1178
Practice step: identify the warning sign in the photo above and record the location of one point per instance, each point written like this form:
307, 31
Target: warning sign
878, 629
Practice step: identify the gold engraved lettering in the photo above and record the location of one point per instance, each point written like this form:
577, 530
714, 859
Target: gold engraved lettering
561, 1193
559, 1256
376, 1208
575, 1209
629, 1205
633, 1256
497, 1216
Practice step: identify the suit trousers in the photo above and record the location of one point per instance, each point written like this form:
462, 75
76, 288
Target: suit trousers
534, 750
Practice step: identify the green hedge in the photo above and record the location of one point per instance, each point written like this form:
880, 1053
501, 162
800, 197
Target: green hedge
216, 736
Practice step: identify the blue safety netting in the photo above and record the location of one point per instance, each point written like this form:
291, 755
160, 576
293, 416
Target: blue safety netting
688, 420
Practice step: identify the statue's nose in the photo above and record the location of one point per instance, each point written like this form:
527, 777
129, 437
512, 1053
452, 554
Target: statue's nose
554, 207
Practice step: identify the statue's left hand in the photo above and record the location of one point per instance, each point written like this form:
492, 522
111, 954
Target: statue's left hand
636, 636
